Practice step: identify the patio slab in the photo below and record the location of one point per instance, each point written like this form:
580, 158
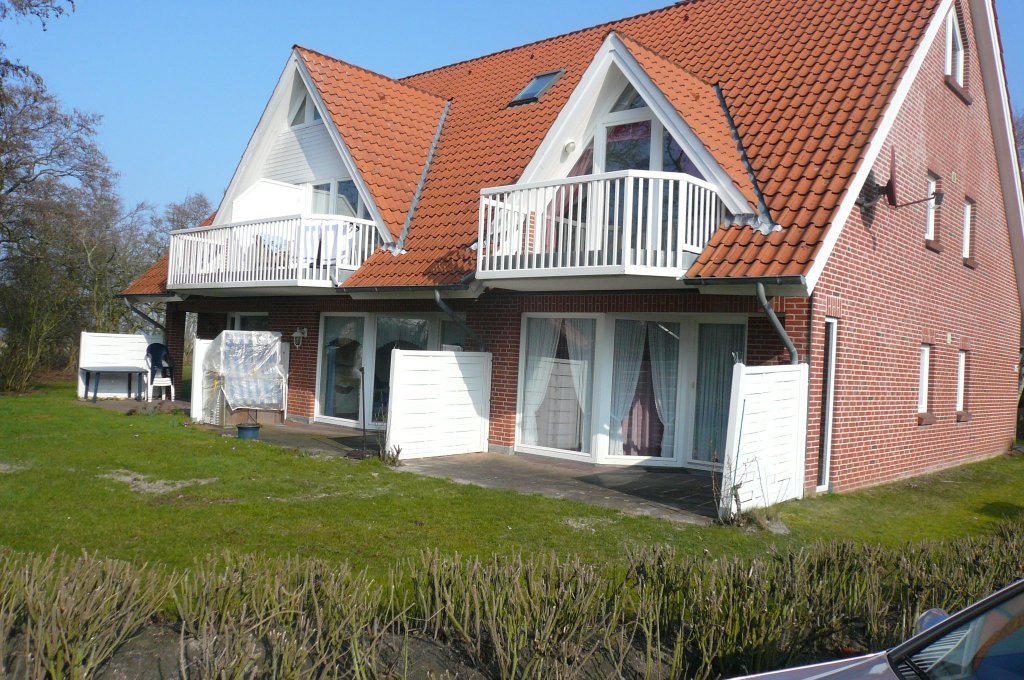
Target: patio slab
672, 494
667, 493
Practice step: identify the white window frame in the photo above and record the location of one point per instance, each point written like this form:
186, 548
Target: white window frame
369, 360
931, 209
955, 49
361, 207
961, 380
828, 392
235, 318
310, 115
967, 234
924, 373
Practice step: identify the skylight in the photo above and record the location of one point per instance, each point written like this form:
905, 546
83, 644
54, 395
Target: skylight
536, 87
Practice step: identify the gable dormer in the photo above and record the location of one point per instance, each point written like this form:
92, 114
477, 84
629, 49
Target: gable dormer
632, 96
638, 170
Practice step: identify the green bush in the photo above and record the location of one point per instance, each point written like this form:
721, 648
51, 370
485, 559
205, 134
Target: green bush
664, 616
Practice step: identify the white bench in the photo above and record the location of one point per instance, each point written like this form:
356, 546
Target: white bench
112, 353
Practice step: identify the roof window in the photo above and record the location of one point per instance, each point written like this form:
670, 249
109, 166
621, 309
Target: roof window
536, 87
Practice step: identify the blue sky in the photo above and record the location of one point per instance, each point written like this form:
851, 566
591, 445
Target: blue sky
181, 85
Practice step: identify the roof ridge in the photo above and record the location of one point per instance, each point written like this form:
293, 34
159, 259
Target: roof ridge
661, 56
540, 41
371, 72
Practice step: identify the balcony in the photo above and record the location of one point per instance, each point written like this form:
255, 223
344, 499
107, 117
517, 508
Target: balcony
622, 228
316, 251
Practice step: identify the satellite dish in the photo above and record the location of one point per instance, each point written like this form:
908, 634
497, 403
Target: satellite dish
890, 187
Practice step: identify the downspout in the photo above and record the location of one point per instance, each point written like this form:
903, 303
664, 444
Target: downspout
458, 321
398, 248
145, 316
779, 328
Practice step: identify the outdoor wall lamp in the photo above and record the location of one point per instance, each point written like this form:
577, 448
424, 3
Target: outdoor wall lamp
298, 335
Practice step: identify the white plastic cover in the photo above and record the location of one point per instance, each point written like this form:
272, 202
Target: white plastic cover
244, 368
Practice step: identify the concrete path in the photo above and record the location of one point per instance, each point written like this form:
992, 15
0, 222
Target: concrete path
677, 495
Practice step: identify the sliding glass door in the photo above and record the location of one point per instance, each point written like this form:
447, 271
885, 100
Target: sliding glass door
394, 332
719, 347
341, 359
644, 395
558, 379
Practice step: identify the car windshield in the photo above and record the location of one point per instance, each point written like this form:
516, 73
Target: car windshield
988, 647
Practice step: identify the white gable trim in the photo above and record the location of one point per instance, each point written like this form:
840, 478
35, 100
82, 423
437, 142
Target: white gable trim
263, 135
993, 77
346, 155
582, 99
986, 41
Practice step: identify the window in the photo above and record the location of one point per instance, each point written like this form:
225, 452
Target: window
828, 388
961, 380
303, 111
968, 234
954, 49
536, 87
243, 321
923, 379
931, 208
557, 384
338, 197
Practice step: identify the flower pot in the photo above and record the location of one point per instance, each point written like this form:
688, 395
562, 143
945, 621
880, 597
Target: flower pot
248, 431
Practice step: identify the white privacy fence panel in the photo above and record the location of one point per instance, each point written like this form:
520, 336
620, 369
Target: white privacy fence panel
627, 218
439, 403
767, 437
119, 350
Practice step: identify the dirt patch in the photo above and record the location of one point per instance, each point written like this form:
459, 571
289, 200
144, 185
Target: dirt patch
11, 468
139, 484
364, 493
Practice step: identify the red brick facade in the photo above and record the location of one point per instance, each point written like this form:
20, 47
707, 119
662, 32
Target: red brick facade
891, 293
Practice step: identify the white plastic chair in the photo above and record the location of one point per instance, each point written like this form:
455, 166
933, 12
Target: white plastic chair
155, 377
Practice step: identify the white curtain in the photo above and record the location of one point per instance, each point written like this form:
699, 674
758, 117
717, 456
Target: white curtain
579, 336
541, 344
626, 359
718, 346
663, 341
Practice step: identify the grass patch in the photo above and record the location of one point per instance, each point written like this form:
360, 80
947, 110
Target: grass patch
72, 473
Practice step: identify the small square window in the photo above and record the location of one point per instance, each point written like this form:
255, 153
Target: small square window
536, 87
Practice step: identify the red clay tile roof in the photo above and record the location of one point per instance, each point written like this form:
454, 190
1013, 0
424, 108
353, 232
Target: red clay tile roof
806, 82
697, 103
387, 126
152, 282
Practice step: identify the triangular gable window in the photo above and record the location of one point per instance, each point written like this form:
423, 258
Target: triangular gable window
631, 137
629, 99
303, 109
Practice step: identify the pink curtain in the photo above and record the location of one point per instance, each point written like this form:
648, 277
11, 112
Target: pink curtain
642, 429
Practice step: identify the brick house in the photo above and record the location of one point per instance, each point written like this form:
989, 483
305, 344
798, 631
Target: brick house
617, 213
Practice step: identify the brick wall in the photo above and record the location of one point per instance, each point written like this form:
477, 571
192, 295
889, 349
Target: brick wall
497, 317
891, 293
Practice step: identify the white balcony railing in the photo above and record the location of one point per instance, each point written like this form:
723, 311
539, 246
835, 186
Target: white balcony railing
629, 220
312, 250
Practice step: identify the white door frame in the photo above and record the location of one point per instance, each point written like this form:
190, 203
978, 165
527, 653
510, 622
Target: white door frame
828, 397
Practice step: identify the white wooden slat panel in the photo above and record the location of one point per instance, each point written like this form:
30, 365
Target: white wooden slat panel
766, 439
304, 155
440, 402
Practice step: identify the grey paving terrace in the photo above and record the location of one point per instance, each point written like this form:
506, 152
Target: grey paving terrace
677, 495
672, 494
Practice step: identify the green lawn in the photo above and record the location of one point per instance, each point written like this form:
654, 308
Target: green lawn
54, 451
